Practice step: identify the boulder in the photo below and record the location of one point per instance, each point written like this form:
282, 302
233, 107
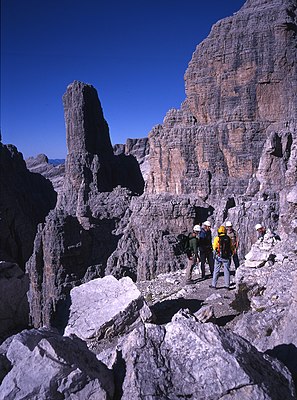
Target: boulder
104, 308
44, 365
187, 359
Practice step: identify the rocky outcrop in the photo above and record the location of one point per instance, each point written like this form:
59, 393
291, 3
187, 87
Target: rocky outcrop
25, 200
83, 231
266, 284
104, 308
40, 364
41, 165
14, 307
186, 359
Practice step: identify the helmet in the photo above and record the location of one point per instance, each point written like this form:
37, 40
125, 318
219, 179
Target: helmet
228, 223
197, 228
221, 229
258, 226
206, 223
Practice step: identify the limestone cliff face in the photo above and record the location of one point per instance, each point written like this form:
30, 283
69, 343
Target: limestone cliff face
241, 86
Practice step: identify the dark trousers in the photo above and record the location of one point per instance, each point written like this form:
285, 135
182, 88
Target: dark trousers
235, 260
209, 257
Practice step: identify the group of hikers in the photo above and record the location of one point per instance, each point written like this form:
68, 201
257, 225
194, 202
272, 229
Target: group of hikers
218, 253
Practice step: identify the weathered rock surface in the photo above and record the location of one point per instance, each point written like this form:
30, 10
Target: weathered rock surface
14, 307
149, 245
25, 200
186, 359
44, 365
93, 208
41, 165
104, 308
267, 290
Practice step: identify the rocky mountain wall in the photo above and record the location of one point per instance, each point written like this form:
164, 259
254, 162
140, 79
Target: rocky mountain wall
25, 200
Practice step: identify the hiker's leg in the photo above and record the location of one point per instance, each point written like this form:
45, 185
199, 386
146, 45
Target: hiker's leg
210, 262
226, 272
217, 267
236, 261
189, 270
203, 259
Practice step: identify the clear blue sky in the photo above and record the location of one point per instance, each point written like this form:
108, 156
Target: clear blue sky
134, 52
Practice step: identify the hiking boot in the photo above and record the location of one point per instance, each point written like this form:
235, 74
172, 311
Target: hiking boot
212, 287
190, 282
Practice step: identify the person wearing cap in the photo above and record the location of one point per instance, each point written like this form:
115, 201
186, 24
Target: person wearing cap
234, 240
205, 248
260, 231
193, 255
223, 249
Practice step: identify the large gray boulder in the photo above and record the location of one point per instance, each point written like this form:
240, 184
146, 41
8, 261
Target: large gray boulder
185, 359
45, 365
104, 308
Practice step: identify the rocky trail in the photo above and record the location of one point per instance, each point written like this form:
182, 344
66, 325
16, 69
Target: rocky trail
168, 293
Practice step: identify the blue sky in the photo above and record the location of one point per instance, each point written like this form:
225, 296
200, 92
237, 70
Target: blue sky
134, 52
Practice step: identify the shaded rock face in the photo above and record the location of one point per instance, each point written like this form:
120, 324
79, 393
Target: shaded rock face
138, 148
41, 165
14, 307
40, 364
177, 361
25, 200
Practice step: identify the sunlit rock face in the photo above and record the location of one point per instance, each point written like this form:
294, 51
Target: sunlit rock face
241, 87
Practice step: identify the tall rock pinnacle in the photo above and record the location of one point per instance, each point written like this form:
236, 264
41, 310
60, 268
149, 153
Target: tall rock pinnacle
86, 128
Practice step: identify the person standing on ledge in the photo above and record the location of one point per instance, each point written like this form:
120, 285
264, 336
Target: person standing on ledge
235, 242
260, 231
223, 249
205, 247
193, 256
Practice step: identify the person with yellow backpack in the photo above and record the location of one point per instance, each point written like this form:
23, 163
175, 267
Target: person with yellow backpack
223, 250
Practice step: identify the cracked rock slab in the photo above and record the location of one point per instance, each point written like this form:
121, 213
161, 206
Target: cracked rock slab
104, 308
187, 359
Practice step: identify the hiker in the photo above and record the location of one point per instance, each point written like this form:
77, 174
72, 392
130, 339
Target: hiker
223, 249
192, 254
234, 240
260, 231
205, 247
